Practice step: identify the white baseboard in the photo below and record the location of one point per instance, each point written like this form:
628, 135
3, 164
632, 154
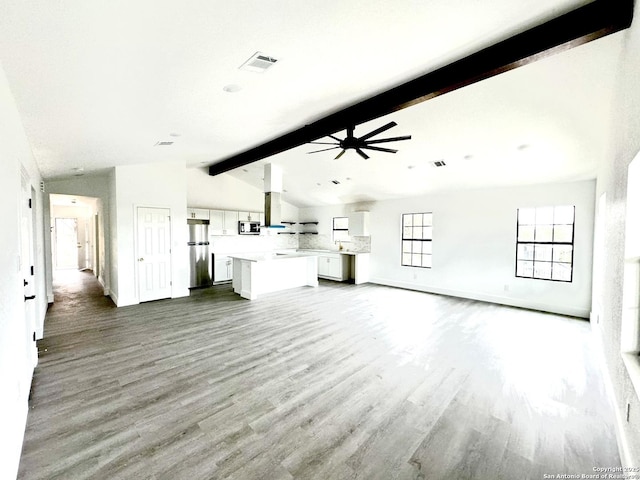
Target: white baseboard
508, 301
105, 288
114, 297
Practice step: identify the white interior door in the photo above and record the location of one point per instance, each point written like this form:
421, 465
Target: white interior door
66, 242
154, 253
28, 274
81, 245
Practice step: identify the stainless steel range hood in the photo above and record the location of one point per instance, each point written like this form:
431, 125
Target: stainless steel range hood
272, 214
272, 189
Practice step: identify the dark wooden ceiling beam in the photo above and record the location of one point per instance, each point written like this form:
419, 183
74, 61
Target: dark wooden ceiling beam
587, 23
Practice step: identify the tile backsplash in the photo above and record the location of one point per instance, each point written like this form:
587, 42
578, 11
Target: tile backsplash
324, 242
252, 243
273, 241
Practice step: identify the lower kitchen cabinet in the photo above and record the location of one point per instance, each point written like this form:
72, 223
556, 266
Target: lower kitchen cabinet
333, 267
222, 268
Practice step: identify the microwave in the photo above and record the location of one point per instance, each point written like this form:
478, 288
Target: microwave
249, 228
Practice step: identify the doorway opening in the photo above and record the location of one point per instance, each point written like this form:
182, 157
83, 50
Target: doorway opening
74, 233
65, 246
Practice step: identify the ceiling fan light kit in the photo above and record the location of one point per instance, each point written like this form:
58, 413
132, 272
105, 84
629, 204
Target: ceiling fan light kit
361, 143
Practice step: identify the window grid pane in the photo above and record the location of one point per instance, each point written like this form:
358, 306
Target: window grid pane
341, 229
544, 243
417, 235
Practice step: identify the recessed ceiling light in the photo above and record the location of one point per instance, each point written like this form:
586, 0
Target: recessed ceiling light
174, 134
523, 147
468, 157
411, 167
317, 184
348, 178
232, 88
245, 170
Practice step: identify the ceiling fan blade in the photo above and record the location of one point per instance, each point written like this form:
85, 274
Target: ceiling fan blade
340, 154
375, 132
394, 139
380, 149
325, 143
362, 154
324, 149
335, 138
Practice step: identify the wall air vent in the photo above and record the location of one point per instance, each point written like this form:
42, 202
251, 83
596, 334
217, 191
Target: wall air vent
259, 62
438, 163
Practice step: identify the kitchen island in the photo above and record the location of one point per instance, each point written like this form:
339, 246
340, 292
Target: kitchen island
259, 273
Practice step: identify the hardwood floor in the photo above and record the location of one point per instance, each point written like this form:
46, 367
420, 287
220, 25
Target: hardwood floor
336, 382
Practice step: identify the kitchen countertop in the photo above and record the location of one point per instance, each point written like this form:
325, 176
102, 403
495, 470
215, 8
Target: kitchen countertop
342, 252
268, 256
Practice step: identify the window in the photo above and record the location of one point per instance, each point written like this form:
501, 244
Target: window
417, 234
544, 245
340, 229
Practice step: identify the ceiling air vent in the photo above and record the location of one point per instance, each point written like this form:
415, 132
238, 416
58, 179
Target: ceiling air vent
259, 62
335, 182
163, 144
438, 163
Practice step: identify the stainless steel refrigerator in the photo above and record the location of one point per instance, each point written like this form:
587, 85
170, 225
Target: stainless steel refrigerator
199, 258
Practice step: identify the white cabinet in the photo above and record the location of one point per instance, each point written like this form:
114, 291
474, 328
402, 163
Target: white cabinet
230, 223
197, 214
359, 224
334, 267
250, 217
223, 222
222, 268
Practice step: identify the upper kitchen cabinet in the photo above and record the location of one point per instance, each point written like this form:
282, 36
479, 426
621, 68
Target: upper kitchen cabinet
231, 222
249, 216
197, 214
359, 224
223, 222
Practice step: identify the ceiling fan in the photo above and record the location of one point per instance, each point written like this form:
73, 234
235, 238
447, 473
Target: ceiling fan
362, 143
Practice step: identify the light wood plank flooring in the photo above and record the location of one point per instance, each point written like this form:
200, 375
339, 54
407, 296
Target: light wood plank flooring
336, 382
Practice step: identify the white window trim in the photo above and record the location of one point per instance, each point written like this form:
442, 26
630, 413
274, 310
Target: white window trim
630, 333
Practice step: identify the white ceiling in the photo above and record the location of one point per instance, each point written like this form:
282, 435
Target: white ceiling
98, 84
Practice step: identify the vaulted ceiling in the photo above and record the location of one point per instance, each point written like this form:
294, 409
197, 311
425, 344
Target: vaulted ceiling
100, 84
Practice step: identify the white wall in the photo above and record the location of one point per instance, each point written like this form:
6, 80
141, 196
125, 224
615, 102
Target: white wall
474, 245
612, 181
162, 185
224, 192
15, 368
